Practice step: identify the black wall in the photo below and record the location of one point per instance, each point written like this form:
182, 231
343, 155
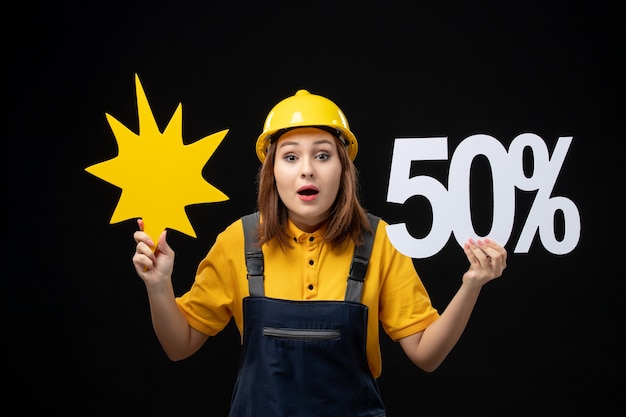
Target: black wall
78, 338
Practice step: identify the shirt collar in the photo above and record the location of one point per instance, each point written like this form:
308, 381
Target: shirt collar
297, 234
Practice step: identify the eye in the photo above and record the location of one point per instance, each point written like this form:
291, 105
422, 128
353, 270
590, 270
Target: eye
322, 156
289, 157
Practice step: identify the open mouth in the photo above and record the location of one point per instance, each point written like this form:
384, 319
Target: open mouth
308, 191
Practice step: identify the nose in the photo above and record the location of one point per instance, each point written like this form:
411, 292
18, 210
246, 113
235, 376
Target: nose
307, 168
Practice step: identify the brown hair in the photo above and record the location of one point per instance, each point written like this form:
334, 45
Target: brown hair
347, 217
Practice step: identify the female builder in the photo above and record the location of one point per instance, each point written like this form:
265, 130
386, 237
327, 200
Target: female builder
310, 333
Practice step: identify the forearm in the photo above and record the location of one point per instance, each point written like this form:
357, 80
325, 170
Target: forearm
429, 348
440, 337
170, 325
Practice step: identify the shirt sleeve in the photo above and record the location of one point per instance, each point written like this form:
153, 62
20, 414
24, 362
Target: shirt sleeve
405, 308
216, 291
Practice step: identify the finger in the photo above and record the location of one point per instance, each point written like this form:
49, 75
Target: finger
143, 248
495, 246
162, 244
484, 248
496, 251
468, 252
479, 249
142, 262
474, 254
144, 258
140, 236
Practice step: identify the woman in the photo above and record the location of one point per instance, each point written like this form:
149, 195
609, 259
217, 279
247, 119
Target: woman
310, 335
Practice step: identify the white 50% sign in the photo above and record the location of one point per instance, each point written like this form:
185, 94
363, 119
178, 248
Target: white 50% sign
451, 207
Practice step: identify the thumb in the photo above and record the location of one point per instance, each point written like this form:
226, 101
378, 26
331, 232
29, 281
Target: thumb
162, 244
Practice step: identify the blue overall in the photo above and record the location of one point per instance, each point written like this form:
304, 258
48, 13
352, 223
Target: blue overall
304, 358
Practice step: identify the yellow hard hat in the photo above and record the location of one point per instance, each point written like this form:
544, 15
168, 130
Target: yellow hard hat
304, 109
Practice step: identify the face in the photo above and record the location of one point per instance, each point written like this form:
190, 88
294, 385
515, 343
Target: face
307, 171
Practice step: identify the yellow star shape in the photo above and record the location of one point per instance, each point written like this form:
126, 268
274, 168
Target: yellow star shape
159, 175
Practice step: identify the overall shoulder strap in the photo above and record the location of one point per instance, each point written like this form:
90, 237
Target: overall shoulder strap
360, 260
254, 255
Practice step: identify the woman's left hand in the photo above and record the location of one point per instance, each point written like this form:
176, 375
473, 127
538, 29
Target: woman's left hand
487, 261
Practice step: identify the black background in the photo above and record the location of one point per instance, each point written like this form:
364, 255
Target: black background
545, 338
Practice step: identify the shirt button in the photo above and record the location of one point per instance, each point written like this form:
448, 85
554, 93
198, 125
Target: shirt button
311, 262
310, 286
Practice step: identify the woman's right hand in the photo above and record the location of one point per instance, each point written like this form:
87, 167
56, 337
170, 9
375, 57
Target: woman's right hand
154, 264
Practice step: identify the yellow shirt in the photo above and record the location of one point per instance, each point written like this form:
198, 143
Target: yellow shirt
393, 292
